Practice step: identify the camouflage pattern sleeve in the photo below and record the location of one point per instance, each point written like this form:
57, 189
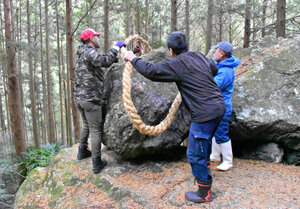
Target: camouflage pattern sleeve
102, 60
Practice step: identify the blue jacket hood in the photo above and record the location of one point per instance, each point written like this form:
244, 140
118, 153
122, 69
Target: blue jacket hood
230, 62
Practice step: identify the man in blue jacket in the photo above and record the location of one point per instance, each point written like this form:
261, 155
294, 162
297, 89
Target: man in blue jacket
221, 143
193, 74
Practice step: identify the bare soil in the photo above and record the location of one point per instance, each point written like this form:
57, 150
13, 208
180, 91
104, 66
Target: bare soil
250, 184
162, 184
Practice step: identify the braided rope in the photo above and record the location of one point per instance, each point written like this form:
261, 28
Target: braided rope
129, 106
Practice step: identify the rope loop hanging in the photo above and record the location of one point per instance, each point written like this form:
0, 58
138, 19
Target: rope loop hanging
129, 106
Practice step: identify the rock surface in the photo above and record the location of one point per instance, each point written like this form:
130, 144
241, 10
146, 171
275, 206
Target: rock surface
69, 183
266, 99
9, 183
266, 104
152, 100
270, 152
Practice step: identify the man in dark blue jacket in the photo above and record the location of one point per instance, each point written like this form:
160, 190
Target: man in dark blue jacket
193, 74
221, 143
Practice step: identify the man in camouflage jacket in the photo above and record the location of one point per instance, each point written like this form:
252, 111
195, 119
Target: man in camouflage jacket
89, 78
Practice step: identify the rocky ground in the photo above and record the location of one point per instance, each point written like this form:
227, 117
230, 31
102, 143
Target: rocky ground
68, 183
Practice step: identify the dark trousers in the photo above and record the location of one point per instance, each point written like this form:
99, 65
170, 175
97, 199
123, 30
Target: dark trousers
91, 115
199, 147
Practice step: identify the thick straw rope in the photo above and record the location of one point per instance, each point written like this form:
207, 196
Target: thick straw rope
129, 106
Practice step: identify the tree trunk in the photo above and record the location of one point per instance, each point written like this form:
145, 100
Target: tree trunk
280, 21
14, 101
67, 101
253, 22
68, 123
32, 82
173, 15
106, 26
247, 24
44, 86
9, 131
59, 73
62, 131
18, 19
3, 128
138, 17
71, 68
147, 19
2, 72
160, 30
37, 87
209, 21
230, 29
66, 97
127, 29
263, 19
51, 131
220, 32
138, 20
4, 78
187, 20
2, 118
89, 15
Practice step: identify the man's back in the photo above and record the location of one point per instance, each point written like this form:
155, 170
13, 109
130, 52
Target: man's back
197, 86
89, 75
193, 75
88, 78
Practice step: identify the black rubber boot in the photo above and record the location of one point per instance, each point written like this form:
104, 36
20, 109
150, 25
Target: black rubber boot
83, 152
98, 164
203, 194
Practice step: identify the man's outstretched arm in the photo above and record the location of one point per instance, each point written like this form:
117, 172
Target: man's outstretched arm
162, 72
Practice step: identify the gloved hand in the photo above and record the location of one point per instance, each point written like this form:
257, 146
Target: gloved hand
129, 56
120, 44
137, 49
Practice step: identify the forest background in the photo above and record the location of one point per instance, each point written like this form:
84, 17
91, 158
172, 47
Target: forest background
38, 41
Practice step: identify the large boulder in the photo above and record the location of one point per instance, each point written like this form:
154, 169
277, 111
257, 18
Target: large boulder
266, 99
265, 103
152, 100
10, 181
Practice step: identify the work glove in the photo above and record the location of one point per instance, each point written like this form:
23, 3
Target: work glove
129, 56
120, 44
137, 49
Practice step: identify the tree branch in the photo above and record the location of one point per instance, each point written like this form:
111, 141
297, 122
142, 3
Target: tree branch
266, 26
84, 17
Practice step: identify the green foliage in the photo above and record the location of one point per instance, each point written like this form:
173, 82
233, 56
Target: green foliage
38, 157
4, 163
7, 167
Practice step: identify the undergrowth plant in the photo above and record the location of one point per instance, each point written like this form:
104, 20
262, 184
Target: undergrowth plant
38, 157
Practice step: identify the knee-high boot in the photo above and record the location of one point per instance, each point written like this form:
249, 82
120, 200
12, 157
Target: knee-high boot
203, 194
215, 151
226, 150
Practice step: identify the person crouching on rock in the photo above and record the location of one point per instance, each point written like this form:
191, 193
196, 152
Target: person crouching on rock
193, 74
88, 93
